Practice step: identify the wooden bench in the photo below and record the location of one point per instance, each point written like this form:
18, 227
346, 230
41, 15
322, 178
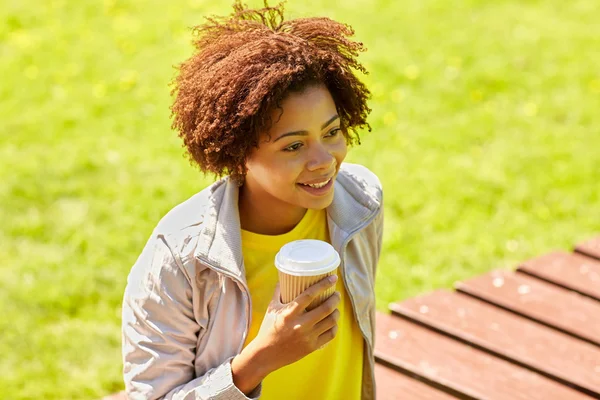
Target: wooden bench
529, 334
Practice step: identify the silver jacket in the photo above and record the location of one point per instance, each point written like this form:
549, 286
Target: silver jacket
187, 308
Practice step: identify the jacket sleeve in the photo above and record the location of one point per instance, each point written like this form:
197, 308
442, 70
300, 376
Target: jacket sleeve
159, 334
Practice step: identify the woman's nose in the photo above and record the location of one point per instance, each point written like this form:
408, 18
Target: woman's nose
320, 158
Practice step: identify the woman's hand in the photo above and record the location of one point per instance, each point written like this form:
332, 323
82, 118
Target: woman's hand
287, 334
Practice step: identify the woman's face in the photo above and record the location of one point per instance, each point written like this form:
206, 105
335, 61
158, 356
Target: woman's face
298, 159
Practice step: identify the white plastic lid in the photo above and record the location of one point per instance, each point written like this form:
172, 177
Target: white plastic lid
307, 257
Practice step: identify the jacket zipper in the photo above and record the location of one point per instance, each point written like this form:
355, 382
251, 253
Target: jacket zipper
342, 254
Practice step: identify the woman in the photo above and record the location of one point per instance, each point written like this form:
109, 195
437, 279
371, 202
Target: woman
272, 105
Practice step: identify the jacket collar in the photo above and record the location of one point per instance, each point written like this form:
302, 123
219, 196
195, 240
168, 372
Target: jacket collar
220, 243
350, 208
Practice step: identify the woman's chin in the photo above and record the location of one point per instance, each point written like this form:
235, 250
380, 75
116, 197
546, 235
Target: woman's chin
320, 203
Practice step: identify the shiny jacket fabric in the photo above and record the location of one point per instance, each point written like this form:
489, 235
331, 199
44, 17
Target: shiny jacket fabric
187, 308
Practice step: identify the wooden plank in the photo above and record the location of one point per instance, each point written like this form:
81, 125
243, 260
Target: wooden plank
569, 270
506, 335
547, 304
460, 368
393, 385
590, 248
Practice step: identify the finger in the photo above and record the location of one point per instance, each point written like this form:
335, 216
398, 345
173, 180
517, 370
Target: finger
327, 323
323, 310
311, 293
327, 337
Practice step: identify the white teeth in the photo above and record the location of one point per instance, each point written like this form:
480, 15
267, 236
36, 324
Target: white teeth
318, 185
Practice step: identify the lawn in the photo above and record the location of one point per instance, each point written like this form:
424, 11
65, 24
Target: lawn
486, 136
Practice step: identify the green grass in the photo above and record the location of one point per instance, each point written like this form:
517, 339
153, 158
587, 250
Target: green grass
485, 136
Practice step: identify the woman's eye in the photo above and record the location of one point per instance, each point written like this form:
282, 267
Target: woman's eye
293, 147
333, 132
296, 146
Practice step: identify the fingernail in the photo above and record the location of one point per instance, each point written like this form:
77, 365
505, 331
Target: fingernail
333, 278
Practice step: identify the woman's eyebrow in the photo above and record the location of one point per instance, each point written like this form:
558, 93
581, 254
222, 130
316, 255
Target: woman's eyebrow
305, 133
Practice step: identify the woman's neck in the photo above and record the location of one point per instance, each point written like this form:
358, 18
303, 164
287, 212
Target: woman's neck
262, 214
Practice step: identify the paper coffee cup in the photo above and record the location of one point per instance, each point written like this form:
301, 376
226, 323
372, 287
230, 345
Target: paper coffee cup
301, 264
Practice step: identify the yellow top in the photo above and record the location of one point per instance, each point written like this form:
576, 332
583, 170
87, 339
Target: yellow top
333, 372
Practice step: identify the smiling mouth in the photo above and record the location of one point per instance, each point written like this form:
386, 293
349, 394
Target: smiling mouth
318, 188
317, 185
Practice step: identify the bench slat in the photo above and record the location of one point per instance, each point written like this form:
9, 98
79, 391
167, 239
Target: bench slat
590, 248
570, 270
559, 308
455, 366
392, 385
504, 334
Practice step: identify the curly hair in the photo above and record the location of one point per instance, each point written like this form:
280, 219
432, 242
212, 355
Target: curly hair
246, 64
